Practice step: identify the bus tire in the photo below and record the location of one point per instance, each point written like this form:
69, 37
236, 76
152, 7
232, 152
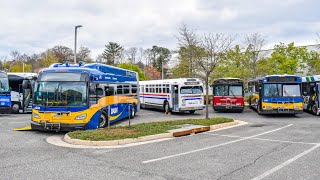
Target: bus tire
15, 108
166, 107
192, 111
103, 120
314, 109
133, 111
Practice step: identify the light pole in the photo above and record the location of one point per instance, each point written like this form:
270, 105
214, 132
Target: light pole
75, 42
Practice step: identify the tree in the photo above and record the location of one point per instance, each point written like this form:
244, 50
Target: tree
63, 53
313, 63
210, 54
237, 63
288, 59
131, 54
18, 67
160, 56
112, 53
189, 41
84, 54
133, 68
48, 58
254, 43
152, 73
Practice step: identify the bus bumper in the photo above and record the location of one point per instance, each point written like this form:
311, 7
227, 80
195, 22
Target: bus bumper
286, 111
56, 126
228, 108
192, 108
5, 110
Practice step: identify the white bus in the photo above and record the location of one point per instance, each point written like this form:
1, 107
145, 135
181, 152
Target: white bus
172, 95
21, 87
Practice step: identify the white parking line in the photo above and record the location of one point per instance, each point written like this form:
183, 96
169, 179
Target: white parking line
286, 163
211, 147
262, 139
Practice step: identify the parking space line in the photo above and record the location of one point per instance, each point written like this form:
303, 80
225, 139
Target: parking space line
286, 163
211, 147
262, 139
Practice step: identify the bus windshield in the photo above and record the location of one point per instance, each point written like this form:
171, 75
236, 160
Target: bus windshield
72, 94
281, 90
4, 85
228, 90
191, 90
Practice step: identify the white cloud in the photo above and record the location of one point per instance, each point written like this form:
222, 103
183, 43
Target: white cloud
33, 26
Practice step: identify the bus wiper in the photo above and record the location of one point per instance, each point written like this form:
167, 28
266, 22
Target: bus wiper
233, 93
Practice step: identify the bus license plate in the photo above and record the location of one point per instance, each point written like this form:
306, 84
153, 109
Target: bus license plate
193, 102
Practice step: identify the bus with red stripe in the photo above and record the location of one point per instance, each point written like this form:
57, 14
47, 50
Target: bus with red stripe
228, 95
172, 95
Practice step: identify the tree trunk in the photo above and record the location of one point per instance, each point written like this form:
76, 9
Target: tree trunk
207, 96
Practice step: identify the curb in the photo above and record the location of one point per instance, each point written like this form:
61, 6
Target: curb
69, 140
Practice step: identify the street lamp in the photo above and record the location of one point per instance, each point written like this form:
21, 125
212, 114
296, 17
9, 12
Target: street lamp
75, 42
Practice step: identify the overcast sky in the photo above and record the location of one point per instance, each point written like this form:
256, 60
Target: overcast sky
32, 26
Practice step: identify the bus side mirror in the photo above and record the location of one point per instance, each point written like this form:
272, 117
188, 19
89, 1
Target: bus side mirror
25, 84
92, 88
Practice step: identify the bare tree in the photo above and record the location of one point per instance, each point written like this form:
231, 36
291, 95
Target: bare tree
131, 54
210, 54
189, 40
254, 43
140, 54
62, 52
15, 55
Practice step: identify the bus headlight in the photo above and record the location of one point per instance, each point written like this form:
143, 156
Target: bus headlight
81, 117
184, 101
35, 115
296, 107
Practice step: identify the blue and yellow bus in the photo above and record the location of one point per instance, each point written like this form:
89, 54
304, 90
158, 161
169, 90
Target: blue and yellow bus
311, 92
5, 97
276, 94
71, 97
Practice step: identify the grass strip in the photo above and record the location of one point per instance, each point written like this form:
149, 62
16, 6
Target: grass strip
138, 130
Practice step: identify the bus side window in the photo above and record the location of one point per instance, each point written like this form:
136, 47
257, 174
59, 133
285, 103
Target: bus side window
109, 91
157, 88
119, 89
126, 89
134, 89
147, 88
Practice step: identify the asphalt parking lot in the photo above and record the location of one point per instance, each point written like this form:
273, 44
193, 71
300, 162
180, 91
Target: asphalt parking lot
269, 147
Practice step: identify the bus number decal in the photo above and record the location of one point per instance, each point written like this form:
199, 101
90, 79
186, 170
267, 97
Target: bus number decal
114, 110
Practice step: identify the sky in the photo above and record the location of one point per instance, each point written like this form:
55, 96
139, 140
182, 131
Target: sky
32, 26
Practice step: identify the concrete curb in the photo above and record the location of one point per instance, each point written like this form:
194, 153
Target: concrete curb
69, 140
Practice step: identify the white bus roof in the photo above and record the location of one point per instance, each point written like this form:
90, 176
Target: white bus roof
171, 81
24, 75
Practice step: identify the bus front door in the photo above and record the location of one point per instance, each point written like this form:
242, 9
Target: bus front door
175, 97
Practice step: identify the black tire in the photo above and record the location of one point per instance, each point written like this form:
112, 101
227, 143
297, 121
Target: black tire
192, 111
15, 108
103, 121
258, 109
314, 109
133, 112
166, 107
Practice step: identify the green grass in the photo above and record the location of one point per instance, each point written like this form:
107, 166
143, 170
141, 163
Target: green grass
138, 130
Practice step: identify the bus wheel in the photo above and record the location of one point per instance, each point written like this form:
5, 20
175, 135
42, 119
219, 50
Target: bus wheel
103, 121
133, 111
258, 110
166, 107
314, 109
192, 111
15, 108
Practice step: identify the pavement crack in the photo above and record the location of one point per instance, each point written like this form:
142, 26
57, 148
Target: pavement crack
277, 149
